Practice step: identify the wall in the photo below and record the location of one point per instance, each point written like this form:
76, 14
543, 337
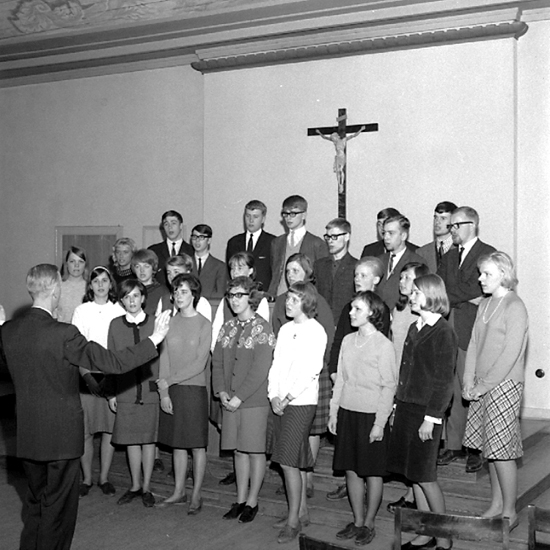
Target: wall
111, 150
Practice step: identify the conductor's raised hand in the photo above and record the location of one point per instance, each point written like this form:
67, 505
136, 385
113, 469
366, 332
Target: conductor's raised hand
162, 324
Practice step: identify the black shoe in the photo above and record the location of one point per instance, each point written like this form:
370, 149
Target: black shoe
474, 463
401, 503
248, 514
350, 531
148, 499
84, 489
158, 465
107, 488
128, 496
229, 479
338, 494
408, 546
365, 536
236, 510
448, 456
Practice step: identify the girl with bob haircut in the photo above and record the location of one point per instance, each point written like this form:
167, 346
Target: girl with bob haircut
423, 394
93, 318
293, 389
123, 251
136, 403
300, 269
182, 389
240, 364
361, 404
494, 378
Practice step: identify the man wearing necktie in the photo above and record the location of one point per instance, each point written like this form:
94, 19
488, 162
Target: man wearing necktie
458, 269
172, 227
254, 240
396, 233
211, 272
443, 241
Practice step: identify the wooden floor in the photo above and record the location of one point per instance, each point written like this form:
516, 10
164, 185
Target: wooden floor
104, 525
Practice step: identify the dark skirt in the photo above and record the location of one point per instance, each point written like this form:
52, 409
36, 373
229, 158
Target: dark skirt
320, 421
136, 424
353, 451
187, 428
291, 437
408, 455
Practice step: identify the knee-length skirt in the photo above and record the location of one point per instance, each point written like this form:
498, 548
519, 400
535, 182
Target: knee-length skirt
408, 454
493, 422
320, 420
353, 451
136, 424
245, 429
290, 437
187, 428
98, 417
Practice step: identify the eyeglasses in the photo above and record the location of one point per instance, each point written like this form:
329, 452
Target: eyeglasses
333, 237
291, 214
236, 295
456, 226
199, 237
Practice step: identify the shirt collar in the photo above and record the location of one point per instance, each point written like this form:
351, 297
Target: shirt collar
299, 233
431, 320
43, 309
139, 318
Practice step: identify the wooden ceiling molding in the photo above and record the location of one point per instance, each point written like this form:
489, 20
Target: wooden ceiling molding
42, 40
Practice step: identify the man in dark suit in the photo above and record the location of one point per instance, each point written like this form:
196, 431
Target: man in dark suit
172, 226
211, 272
377, 247
396, 233
433, 252
42, 356
334, 273
294, 215
255, 240
459, 270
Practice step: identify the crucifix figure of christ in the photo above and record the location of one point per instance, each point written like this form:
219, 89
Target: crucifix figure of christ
338, 135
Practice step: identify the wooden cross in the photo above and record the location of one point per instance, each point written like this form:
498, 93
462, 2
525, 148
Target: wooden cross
338, 136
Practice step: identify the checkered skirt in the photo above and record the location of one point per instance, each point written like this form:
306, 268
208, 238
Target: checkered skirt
319, 426
493, 422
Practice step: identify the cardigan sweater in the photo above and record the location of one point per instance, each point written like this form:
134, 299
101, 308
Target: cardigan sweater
241, 360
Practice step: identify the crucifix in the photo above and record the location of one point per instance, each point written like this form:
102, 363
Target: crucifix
338, 135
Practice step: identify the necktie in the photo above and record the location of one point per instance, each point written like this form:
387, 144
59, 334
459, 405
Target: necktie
460, 254
173, 249
390, 265
440, 250
292, 239
200, 266
250, 246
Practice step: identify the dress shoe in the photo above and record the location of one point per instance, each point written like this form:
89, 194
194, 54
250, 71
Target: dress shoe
448, 456
229, 479
235, 511
442, 548
148, 499
365, 536
158, 465
513, 524
129, 495
474, 463
401, 503
194, 510
350, 531
166, 503
409, 546
248, 514
304, 522
84, 489
338, 494
288, 534
107, 488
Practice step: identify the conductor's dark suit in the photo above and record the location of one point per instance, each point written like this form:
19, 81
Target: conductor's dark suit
42, 355
163, 253
261, 253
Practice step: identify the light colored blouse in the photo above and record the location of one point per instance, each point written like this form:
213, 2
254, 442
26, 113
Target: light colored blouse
366, 379
72, 294
400, 324
297, 362
497, 348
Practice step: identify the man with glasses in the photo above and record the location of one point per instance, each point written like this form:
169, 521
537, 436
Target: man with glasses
172, 226
298, 239
396, 233
458, 268
334, 273
211, 272
433, 252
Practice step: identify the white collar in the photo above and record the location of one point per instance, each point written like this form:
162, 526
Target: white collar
431, 320
139, 318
